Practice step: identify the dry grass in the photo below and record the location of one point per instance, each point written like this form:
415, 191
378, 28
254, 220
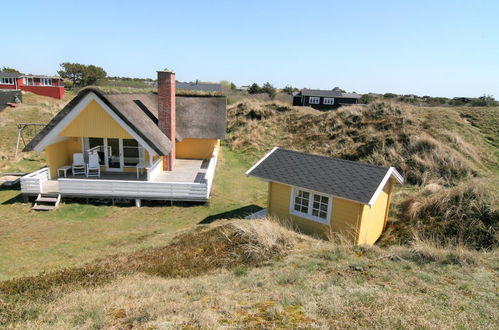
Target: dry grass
431, 147
281, 280
465, 214
424, 251
34, 109
224, 245
382, 134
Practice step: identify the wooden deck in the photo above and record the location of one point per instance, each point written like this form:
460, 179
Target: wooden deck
190, 180
185, 170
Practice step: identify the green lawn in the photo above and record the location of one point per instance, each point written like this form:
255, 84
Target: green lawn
31, 242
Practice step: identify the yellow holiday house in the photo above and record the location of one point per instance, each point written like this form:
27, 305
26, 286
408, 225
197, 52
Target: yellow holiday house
130, 146
323, 195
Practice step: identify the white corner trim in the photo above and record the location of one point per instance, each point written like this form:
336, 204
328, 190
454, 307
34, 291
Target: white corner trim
397, 175
391, 172
53, 135
261, 160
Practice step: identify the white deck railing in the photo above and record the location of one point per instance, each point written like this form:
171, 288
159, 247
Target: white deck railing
138, 189
187, 191
32, 183
210, 171
153, 170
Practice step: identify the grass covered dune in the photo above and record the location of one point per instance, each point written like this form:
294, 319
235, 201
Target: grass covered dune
103, 266
447, 156
260, 274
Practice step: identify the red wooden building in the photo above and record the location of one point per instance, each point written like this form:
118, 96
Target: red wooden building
41, 85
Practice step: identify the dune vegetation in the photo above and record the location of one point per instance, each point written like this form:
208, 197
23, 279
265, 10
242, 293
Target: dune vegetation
260, 274
449, 168
201, 266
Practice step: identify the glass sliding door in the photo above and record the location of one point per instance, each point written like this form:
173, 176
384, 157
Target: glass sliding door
114, 154
131, 153
96, 145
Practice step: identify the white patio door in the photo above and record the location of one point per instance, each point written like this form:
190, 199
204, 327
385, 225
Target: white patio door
114, 154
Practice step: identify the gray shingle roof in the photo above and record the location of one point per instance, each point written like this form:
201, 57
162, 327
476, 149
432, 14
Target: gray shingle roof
9, 75
207, 87
328, 93
342, 178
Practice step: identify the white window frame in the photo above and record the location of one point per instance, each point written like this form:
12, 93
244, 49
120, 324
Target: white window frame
86, 145
29, 81
314, 100
329, 100
46, 81
7, 81
309, 215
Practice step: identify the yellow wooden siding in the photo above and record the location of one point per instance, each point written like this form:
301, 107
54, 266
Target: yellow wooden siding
373, 218
195, 148
61, 153
345, 218
278, 206
74, 145
57, 155
94, 121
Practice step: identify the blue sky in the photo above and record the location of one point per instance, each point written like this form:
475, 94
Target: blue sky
438, 48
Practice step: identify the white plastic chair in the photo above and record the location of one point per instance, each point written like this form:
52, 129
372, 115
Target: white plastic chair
93, 166
78, 166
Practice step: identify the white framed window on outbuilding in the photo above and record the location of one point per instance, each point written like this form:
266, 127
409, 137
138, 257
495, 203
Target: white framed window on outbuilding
329, 100
311, 205
314, 100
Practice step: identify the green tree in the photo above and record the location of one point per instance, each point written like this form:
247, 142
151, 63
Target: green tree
269, 89
227, 85
74, 72
367, 98
10, 70
80, 74
390, 95
93, 74
484, 101
289, 89
254, 89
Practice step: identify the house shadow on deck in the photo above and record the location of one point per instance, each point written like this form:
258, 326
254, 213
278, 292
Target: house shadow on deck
237, 213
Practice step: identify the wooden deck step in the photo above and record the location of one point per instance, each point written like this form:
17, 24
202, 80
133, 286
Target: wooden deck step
46, 199
46, 202
43, 207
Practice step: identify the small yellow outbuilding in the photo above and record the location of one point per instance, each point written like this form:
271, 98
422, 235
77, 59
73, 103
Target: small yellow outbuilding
323, 195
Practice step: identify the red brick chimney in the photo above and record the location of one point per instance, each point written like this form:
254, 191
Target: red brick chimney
166, 113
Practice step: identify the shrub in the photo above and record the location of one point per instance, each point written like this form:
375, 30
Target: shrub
484, 101
466, 214
367, 98
424, 250
269, 89
288, 89
254, 89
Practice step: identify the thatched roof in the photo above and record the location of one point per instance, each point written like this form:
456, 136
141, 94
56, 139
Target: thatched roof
197, 117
